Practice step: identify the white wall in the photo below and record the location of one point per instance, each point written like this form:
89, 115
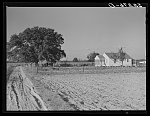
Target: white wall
129, 63
106, 59
111, 63
98, 62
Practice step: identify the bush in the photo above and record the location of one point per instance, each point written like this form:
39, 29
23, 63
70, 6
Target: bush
84, 64
66, 65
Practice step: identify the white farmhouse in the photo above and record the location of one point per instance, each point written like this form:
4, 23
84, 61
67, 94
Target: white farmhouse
109, 61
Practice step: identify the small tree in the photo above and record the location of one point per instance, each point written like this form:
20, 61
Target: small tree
75, 59
115, 57
91, 56
121, 55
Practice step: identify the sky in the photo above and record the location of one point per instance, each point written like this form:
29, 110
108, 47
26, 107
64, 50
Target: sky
86, 29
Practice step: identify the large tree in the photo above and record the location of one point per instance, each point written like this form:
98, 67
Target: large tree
35, 44
91, 56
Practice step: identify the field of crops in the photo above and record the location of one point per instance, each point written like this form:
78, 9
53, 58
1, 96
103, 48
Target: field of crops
110, 89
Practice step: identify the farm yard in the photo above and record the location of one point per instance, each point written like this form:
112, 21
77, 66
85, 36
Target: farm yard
111, 88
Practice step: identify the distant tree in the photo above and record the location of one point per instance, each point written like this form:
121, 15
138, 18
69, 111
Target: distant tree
91, 56
115, 57
35, 44
121, 55
75, 59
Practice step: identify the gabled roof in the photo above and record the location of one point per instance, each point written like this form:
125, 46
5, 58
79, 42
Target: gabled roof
110, 55
101, 57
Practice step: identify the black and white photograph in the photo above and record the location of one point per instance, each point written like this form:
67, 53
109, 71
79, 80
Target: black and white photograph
75, 58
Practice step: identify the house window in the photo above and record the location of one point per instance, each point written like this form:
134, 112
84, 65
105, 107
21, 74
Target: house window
127, 60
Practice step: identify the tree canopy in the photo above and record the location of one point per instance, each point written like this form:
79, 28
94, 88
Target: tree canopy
121, 55
91, 56
75, 59
115, 57
35, 44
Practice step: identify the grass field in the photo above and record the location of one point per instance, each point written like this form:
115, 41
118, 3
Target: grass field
110, 88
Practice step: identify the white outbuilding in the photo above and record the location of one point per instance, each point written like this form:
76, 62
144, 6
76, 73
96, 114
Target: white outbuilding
99, 60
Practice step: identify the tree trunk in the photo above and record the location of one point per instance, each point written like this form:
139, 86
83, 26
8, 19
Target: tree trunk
36, 65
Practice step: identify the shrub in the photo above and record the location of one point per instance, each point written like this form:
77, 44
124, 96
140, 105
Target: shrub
66, 65
84, 64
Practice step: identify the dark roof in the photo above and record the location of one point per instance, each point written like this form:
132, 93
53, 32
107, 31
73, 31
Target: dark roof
127, 56
110, 55
101, 57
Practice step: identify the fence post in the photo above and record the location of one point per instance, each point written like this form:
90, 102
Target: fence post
83, 68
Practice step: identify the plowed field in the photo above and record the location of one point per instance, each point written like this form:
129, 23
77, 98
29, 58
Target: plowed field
112, 91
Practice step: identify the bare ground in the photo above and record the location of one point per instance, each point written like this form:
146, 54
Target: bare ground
124, 90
